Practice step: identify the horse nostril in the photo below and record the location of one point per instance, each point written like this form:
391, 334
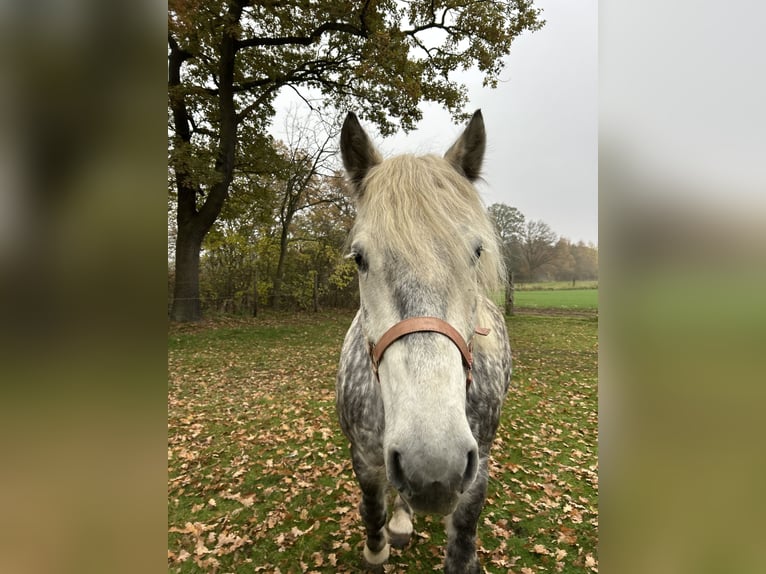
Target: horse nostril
471, 467
395, 471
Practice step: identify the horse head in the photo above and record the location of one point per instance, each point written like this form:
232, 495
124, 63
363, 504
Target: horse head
425, 248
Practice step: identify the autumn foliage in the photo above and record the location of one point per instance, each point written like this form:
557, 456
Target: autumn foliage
260, 477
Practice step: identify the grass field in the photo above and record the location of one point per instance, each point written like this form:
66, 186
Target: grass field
574, 299
259, 477
555, 285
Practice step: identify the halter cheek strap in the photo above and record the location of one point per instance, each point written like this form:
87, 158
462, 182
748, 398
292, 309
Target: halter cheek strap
421, 325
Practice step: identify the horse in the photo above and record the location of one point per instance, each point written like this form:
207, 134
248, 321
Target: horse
426, 363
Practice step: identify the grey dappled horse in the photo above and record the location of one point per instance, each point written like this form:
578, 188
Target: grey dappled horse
426, 362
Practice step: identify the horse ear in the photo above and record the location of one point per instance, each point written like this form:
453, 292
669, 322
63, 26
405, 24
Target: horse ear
357, 151
467, 153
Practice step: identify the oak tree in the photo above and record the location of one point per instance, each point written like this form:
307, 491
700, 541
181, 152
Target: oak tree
228, 60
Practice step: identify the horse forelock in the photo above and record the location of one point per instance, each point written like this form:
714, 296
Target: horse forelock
420, 210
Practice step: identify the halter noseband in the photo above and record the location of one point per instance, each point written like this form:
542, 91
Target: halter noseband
421, 325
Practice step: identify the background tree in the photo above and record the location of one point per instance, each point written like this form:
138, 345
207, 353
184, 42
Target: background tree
248, 248
586, 260
229, 59
308, 154
574, 261
509, 223
230, 250
316, 253
563, 263
537, 248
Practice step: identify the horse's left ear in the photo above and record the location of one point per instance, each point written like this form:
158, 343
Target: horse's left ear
357, 151
467, 153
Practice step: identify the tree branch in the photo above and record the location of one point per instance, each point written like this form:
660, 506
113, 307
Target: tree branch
333, 200
311, 38
312, 70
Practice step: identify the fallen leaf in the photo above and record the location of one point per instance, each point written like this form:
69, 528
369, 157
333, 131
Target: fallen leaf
201, 549
590, 562
566, 535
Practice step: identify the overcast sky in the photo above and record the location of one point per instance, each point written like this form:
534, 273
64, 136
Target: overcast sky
541, 123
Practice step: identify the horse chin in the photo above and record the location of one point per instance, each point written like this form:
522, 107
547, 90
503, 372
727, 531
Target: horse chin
433, 502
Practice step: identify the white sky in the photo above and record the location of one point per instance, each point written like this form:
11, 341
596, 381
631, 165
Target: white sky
541, 120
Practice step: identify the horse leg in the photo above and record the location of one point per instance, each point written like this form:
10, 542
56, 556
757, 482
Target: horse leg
400, 525
461, 528
373, 510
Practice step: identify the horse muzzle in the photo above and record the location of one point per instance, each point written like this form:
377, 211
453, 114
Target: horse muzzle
432, 486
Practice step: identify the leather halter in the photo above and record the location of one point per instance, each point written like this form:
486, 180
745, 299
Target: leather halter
427, 325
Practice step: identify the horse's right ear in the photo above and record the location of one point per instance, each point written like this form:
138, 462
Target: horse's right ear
357, 151
467, 153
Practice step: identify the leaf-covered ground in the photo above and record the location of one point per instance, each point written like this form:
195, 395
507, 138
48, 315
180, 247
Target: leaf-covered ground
259, 478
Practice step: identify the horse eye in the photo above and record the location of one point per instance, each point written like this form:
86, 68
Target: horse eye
478, 251
358, 259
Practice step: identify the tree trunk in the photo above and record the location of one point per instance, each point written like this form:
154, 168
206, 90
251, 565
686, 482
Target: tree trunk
193, 221
255, 290
186, 300
315, 293
509, 294
276, 292
288, 210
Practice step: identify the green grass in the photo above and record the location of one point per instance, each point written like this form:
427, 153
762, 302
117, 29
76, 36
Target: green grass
555, 285
259, 477
581, 299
